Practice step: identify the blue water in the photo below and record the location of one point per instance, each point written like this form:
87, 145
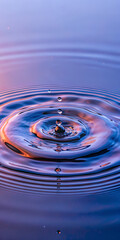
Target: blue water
59, 120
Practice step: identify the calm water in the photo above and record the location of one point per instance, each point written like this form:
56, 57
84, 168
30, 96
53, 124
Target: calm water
59, 120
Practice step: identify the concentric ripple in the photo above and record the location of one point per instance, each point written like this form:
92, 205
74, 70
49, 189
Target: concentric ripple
60, 141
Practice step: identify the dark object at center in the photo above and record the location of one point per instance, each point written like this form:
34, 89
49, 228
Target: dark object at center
59, 129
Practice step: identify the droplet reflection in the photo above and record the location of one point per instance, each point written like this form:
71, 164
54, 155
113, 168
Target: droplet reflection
59, 111
59, 99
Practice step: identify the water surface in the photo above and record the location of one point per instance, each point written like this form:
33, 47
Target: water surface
59, 120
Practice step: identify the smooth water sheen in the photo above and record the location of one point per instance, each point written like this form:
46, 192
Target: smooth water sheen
59, 120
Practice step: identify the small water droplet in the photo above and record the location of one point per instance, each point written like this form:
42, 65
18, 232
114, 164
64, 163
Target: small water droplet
49, 91
59, 99
58, 122
59, 111
58, 232
43, 226
59, 130
57, 170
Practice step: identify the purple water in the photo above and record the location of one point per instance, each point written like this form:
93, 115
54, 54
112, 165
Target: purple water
59, 120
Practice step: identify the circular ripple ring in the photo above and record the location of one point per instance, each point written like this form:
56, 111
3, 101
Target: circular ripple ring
79, 135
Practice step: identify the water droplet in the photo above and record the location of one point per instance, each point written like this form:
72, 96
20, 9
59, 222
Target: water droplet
59, 129
43, 226
49, 91
58, 232
57, 170
59, 111
58, 122
59, 99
